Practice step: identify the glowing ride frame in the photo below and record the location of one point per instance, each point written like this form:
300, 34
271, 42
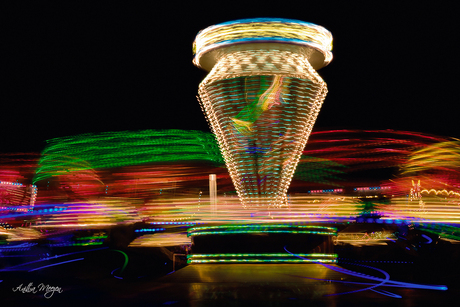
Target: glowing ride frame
261, 98
264, 254
261, 258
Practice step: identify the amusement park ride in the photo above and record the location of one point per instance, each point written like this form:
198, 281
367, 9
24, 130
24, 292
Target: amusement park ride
261, 97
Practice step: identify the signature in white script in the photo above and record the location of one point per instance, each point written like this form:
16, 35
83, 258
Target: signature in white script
30, 288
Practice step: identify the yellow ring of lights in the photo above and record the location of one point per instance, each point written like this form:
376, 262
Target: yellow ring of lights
263, 33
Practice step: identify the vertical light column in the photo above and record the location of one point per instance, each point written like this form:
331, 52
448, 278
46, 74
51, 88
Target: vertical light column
213, 193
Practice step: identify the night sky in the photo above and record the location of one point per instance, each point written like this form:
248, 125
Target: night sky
72, 69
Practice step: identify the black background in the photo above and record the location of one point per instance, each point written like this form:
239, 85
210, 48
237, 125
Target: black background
76, 68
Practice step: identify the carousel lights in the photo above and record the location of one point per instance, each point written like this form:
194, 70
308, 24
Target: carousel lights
371, 188
149, 230
262, 100
325, 191
442, 192
263, 30
11, 183
17, 195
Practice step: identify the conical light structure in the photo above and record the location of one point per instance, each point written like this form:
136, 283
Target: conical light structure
262, 97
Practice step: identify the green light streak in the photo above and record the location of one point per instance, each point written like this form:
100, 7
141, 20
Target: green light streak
443, 234
251, 229
126, 259
115, 149
318, 170
91, 238
78, 244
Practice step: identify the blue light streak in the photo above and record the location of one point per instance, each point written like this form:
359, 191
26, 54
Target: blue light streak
382, 282
50, 265
387, 278
264, 19
115, 275
428, 238
48, 258
149, 229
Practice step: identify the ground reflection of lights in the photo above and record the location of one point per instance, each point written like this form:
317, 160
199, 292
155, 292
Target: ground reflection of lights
382, 282
161, 240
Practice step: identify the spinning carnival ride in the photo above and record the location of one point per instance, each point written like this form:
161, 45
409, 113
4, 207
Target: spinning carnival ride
261, 97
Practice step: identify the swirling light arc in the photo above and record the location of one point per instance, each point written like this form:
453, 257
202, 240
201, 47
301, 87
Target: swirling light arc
125, 148
381, 281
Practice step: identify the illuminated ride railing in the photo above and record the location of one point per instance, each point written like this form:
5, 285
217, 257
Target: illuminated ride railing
261, 243
261, 229
262, 258
261, 97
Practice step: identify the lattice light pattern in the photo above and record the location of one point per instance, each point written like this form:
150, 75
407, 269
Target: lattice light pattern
262, 98
16, 196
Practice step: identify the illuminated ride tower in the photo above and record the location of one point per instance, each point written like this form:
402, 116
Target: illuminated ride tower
261, 97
